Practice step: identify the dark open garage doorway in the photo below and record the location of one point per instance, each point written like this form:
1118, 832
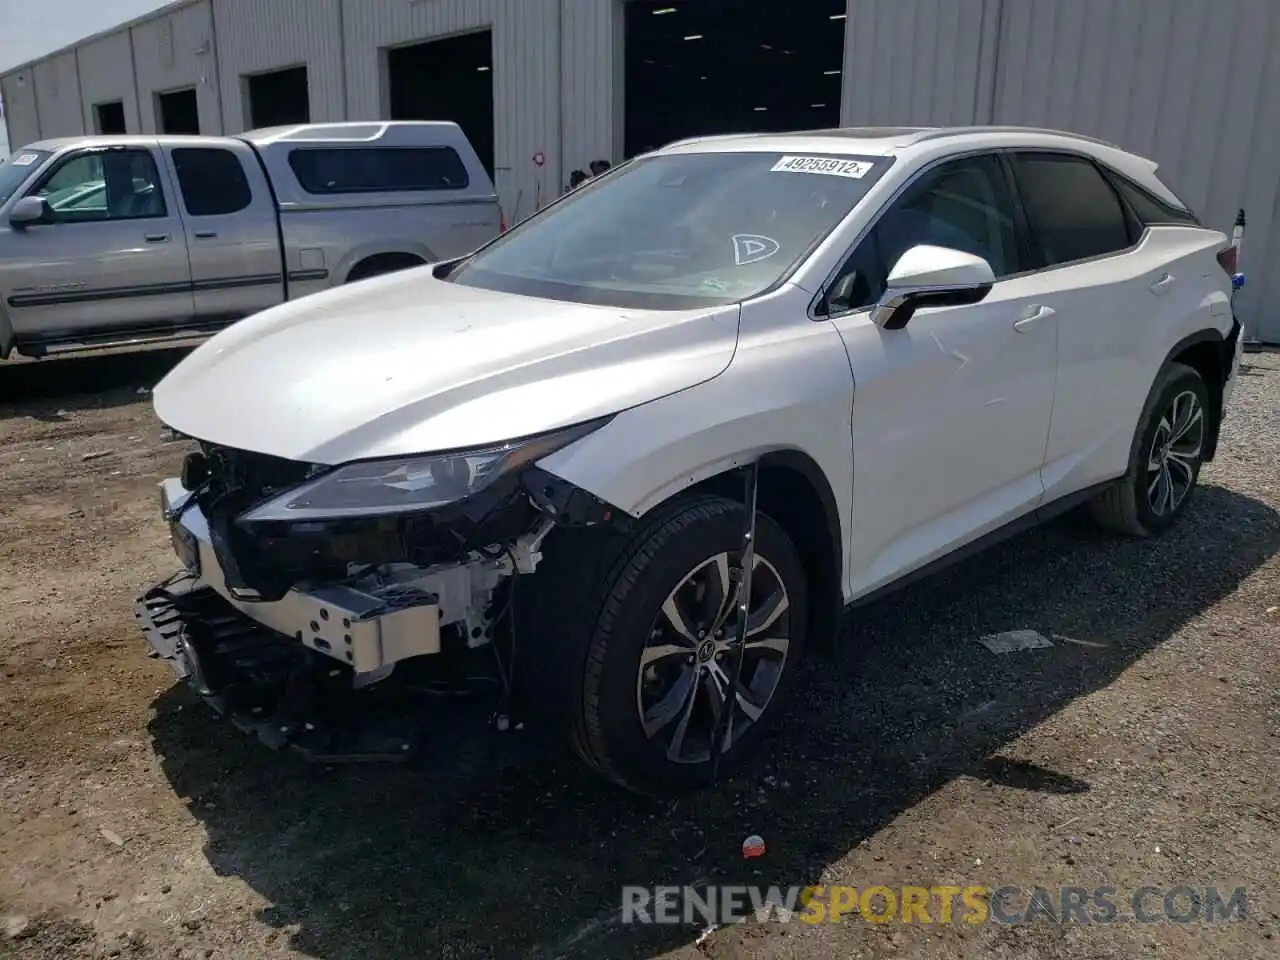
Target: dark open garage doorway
701, 67
179, 111
449, 79
279, 97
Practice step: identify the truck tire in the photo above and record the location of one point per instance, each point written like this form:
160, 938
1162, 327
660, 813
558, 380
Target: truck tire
649, 672
1165, 460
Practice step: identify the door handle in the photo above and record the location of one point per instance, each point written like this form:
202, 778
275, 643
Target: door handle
205, 234
1163, 284
1034, 316
156, 238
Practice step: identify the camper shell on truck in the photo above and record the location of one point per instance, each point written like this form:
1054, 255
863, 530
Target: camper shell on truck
107, 240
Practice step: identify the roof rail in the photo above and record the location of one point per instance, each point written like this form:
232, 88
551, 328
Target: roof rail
943, 132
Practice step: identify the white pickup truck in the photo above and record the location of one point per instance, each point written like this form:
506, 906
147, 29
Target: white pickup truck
108, 240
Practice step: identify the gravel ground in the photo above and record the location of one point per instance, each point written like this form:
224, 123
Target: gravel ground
1140, 748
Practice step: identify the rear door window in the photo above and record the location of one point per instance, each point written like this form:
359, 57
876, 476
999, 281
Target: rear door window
1073, 212
323, 170
212, 181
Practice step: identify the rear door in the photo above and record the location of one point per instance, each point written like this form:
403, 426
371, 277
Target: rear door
1107, 284
111, 258
232, 235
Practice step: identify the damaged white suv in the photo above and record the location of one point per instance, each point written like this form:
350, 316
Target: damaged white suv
512, 488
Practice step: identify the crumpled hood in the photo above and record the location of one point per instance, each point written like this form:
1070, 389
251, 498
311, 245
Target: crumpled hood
407, 363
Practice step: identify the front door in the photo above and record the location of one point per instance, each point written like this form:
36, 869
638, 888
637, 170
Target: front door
951, 413
110, 257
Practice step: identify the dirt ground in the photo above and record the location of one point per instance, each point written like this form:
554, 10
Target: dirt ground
1141, 748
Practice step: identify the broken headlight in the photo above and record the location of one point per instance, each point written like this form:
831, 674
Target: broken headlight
371, 488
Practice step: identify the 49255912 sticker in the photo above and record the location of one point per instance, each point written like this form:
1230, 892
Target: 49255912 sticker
23, 160
831, 166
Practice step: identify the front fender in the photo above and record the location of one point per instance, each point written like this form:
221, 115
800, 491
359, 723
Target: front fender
787, 389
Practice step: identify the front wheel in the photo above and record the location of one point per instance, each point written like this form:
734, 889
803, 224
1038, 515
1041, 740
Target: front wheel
657, 672
1166, 458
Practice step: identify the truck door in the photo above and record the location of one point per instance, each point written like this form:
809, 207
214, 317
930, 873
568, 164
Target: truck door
232, 235
109, 258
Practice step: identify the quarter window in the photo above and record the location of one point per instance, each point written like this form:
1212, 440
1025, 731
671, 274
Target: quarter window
963, 205
212, 181
1150, 209
1072, 211
378, 169
107, 185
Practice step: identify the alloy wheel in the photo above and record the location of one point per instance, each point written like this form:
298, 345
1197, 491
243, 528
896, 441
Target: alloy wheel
684, 673
1175, 454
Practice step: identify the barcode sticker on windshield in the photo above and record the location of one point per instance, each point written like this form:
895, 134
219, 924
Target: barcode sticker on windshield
23, 160
853, 169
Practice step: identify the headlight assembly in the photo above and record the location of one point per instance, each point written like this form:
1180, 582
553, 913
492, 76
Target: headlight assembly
403, 484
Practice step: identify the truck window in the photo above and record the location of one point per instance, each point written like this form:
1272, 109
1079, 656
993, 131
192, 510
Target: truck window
378, 169
104, 185
212, 181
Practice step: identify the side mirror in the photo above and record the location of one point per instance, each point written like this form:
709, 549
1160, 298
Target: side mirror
30, 210
927, 276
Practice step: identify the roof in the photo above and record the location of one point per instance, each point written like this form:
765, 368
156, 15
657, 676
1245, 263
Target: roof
889, 141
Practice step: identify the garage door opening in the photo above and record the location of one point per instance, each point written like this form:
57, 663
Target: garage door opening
279, 97
703, 67
178, 111
450, 79
109, 117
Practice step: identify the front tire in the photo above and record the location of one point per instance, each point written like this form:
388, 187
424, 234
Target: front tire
655, 676
1165, 461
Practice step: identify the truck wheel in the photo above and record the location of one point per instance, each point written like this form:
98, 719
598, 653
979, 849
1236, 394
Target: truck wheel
657, 665
1165, 461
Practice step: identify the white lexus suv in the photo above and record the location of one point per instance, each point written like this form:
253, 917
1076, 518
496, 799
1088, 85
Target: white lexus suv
521, 482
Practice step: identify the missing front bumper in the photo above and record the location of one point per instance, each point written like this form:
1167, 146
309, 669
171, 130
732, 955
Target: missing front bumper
286, 694
364, 631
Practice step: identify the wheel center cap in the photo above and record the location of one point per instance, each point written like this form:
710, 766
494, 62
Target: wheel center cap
706, 651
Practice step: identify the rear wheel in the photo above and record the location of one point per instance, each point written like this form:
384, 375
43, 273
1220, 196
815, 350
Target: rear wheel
657, 667
1165, 462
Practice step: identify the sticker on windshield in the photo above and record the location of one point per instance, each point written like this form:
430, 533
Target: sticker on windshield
853, 169
24, 159
752, 248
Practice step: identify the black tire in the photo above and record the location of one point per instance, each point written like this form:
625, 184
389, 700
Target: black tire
605, 725
1127, 506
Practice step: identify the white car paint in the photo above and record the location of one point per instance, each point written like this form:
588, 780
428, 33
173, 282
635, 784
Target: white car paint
929, 436
407, 363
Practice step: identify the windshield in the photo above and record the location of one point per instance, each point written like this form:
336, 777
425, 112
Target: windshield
15, 169
677, 231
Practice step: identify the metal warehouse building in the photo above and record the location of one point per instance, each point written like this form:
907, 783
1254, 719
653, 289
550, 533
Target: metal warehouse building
546, 86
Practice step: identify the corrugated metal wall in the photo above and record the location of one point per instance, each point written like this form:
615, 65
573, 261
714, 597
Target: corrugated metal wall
106, 74
173, 51
58, 97
918, 62
255, 36
18, 91
526, 78
590, 88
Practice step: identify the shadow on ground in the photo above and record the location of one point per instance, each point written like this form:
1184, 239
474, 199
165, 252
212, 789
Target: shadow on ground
412, 863
42, 388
